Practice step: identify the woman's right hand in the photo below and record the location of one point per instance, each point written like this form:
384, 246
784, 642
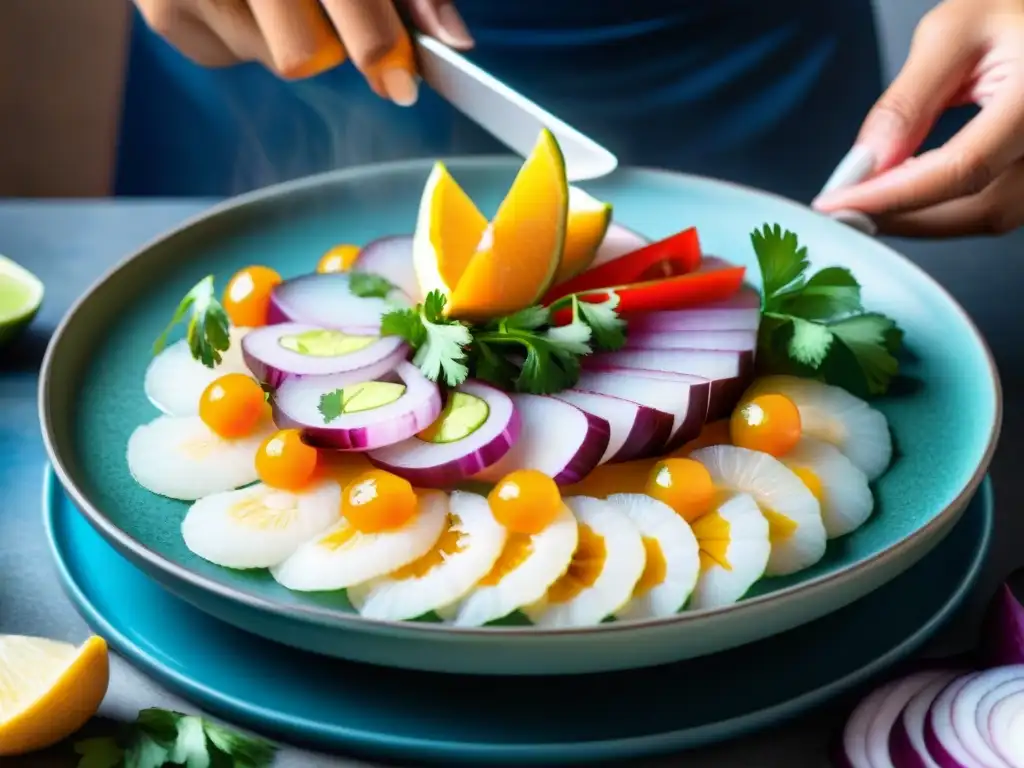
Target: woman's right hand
302, 38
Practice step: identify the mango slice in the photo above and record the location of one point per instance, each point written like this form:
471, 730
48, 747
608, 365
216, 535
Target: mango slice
584, 232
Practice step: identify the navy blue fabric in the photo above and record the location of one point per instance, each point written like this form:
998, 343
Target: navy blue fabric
764, 92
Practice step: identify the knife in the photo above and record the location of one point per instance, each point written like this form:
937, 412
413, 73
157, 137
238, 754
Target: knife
507, 115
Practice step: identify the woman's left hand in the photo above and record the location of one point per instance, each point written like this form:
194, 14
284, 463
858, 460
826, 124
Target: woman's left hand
964, 51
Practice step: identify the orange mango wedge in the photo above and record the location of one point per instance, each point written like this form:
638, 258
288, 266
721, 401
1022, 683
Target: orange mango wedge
584, 232
448, 230
520, 253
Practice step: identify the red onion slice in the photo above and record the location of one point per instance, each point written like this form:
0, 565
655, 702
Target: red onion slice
968, 732
728, 372
272, 363
907, 748
1003, 632
740, 312
1006, 726
324, 299
737, 341
634, 430
391, 258
685, 397
297, 404
939, 736
618, 241
442, 465
992, 708
556, 438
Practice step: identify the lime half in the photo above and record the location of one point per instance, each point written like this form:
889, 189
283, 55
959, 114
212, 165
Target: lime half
21, 294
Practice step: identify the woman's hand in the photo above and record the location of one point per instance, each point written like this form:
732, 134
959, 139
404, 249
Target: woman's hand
302, 38
964, 51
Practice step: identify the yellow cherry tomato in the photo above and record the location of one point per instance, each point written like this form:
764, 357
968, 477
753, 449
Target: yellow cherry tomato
285, 462
525, 501
683, 484
768, 423
339, 259
233, 405
247, 296
378, 501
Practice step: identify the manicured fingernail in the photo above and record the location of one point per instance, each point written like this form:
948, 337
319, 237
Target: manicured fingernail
400, 86
453, 28
852, 169
857, 220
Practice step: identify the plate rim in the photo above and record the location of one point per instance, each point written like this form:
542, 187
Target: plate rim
396, 744
134, 548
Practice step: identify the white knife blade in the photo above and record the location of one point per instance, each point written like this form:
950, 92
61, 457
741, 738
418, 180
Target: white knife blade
507, 115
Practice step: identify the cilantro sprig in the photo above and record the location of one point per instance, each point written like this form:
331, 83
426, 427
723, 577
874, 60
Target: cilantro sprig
208, 324
523, 352
161, 737
816, 326
369, 286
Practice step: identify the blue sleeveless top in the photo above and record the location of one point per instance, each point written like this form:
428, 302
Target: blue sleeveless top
765, 93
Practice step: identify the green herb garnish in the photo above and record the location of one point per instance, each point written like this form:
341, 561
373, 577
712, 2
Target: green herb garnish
332, 405
816, 326
369, 286
160, 737
208, 324
440, 343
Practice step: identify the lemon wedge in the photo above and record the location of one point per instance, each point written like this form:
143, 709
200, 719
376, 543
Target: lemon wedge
21, 294
585, 229
48, 690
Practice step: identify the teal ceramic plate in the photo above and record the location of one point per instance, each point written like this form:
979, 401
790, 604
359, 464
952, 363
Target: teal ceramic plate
945, 416
583, 718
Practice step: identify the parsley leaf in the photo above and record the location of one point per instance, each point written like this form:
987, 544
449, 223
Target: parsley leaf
332, 405
550, 365
160, 737
208, 324
440, 343
609, 330
493, 367
817, 326
369, 286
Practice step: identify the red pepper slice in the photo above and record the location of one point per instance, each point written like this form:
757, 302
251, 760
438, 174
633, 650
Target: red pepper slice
679, 292
675, 255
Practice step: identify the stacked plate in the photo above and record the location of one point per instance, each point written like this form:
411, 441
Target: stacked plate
945, 419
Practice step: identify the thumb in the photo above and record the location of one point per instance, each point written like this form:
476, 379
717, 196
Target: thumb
941, 57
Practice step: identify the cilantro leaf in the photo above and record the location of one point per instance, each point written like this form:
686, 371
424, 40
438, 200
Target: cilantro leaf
146, 752
549, 365
102, 752
529, 319
810, 343
609, 330
782, 260
332, 405
190, 747
433, 307
492, 367
405, 323
369, 286
574, 337
869, 338
246, 751
441, 350
830, 293
160, 724
208, 324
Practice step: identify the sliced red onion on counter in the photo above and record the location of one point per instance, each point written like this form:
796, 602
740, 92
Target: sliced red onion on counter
729, 372
950, 718
685, 397
556, 438
740, 312
275, 353
618, 241
324, 299
391, 258
634, 430
334, 412
476, 428
738, 341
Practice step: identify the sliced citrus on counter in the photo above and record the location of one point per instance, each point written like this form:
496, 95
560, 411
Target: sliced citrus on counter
585, 229
449, 229
21, 294
48, 690
517, 259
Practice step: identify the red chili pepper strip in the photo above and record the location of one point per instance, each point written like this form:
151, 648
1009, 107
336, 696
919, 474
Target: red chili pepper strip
690, 290
675, 255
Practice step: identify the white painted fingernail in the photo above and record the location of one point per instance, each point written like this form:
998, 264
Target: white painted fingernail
857, 220
852, 169
400, 86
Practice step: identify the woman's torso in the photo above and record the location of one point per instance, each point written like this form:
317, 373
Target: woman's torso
768, 94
